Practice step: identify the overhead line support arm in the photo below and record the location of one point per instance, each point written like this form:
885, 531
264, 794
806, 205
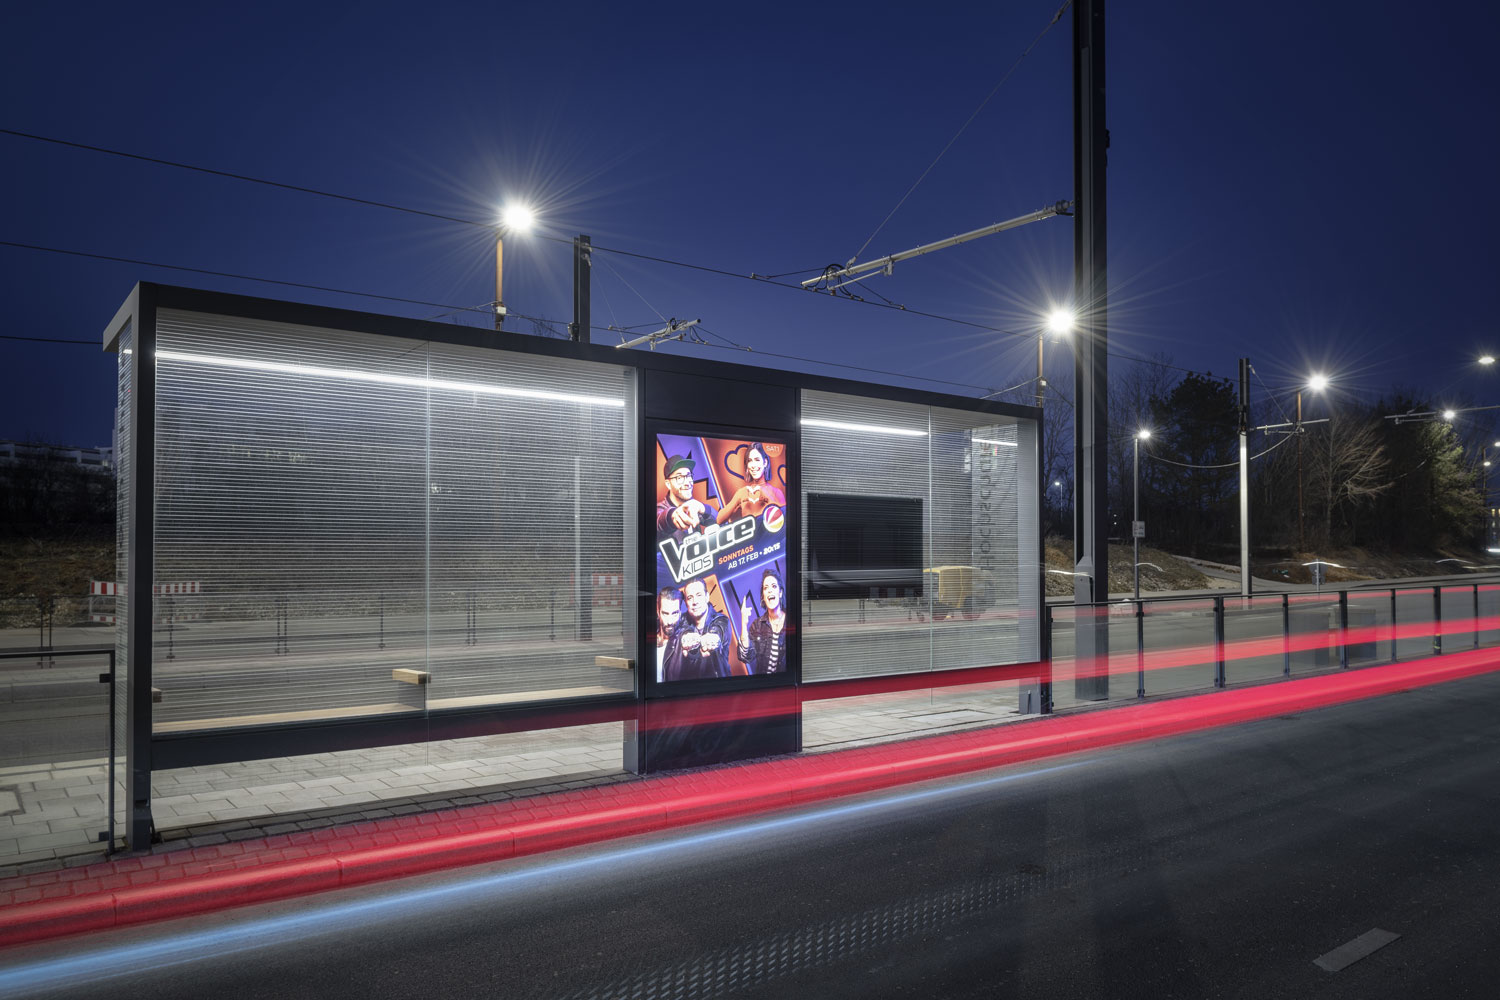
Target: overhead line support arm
886, 263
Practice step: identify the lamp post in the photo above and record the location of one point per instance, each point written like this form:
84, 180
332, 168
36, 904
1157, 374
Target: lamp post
1317, 383
515, 219
1135, 520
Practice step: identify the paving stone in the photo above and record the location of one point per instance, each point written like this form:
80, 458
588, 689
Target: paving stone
51, 840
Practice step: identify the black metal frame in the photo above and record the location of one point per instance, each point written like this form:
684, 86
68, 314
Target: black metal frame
147, 751
1340, 627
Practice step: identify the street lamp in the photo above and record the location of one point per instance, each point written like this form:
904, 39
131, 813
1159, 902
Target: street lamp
1059, 322
1135, 521
1317, 383
517, 219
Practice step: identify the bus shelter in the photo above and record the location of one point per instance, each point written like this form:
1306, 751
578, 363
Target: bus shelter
340, 530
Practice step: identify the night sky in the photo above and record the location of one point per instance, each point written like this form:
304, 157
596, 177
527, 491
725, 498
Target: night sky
1309, 185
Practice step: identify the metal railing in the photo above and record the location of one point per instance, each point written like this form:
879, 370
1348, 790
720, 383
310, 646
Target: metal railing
1187, 642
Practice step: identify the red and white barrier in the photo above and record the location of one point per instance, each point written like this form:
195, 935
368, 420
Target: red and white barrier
109, 588
609, 590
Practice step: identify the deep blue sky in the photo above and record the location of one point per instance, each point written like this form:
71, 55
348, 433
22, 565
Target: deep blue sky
1311, 185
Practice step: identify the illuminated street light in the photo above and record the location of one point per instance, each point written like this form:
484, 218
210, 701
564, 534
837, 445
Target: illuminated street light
1449, 414
1486, 359
1059, 322
1317, 383
1135, 520
517, 219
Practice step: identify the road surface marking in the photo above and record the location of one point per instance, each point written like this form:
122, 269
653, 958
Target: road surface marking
1347, 954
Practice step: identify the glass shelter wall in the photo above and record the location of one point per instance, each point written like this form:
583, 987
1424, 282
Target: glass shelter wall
351, 525
975, 599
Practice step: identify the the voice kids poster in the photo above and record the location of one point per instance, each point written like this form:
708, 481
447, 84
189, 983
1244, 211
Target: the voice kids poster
721, 558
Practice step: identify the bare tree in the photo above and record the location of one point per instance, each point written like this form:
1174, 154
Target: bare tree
1355, 467
1132, 387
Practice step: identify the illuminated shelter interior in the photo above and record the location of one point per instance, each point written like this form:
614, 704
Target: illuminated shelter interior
362, 530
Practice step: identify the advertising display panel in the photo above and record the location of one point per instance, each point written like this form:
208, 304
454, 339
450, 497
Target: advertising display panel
722, 558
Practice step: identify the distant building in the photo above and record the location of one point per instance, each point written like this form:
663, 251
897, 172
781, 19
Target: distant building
101, 459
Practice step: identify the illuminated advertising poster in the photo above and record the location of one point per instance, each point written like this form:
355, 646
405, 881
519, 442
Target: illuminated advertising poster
721, 558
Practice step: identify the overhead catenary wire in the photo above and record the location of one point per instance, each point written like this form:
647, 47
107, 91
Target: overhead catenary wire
1225, 465
962, 128
840, 364
49, 340
490, 226
116, 259
449, 309
621, 278
728, 345
1269, 393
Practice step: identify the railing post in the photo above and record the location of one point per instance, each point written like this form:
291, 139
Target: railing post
1437, 621
1045, 693
109, 827
1343, 630
1286, 636
1395, 650
1218, 642
1140, 649
1476, 616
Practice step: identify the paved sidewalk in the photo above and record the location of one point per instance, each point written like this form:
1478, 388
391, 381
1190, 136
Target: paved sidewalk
51, 815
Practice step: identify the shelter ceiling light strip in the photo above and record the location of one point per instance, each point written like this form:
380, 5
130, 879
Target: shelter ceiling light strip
1007, 444
403, 380
869, 428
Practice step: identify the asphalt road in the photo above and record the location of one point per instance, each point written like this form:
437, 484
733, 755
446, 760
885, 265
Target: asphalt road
1221, 864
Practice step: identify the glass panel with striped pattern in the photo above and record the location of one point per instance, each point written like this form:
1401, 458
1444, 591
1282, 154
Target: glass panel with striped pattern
351, 525
976, 477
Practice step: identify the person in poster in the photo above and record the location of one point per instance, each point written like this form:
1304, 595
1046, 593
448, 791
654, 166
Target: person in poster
762, 642
758, 493
680, 513
668, 641
703, 634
